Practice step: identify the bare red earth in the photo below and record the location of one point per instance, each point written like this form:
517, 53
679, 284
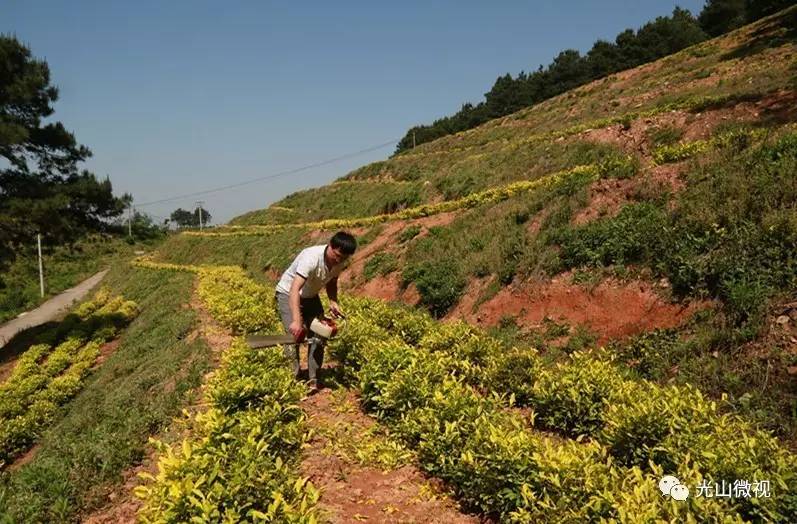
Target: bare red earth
612, 310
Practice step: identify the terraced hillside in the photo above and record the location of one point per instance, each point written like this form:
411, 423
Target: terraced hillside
546, 315
652, 210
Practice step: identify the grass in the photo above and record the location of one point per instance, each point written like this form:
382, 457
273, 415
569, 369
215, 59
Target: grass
369, 236
664, 135
380, 264
257, 255
63, 268
408, 233
341, 200
489, 241
731, 236
134, 394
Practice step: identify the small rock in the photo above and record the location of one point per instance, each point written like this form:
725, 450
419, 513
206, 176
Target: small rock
792, 370
782, 320
715, 354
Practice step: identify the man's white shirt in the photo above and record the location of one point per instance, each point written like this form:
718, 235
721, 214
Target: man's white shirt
309, 263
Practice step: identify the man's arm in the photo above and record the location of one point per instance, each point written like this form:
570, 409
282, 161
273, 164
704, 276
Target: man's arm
332, 293
293, 299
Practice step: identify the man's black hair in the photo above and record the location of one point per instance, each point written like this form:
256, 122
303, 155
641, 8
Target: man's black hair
344, 242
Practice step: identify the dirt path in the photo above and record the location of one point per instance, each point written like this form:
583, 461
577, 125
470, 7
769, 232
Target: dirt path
49, 310
362, 475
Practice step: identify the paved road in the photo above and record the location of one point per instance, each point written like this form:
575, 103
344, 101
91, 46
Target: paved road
49, 310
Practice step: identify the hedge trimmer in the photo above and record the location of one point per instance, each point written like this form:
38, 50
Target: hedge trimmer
320, 328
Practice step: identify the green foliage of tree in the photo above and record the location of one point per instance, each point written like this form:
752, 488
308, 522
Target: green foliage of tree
721, 16
756, 9
143, 227
184, 218
41, 188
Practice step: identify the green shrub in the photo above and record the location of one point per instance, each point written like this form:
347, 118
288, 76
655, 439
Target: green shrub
618, 166
731, 235
581, 339
380, 264
664, 135
408, 233
624, 239
680, 151
440, 283
650, 353
571, 397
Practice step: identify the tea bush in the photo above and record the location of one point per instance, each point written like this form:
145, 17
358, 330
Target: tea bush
231, 297
433, 385
236, 301
635, 430
571, 397
239, 465
48, 374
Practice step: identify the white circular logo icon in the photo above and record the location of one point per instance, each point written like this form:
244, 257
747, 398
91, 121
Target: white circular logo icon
679, 492
666, 483
670, 485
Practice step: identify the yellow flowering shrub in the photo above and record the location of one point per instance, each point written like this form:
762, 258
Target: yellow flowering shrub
50, 373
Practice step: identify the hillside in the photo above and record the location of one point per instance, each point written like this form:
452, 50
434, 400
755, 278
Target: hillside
546, 315
657, 202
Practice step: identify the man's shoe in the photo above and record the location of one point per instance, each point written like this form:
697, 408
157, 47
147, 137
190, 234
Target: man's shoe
314, 386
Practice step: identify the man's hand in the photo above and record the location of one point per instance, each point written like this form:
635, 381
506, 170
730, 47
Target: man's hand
335, 310
296, 330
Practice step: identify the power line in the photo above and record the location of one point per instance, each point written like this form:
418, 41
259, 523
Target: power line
267, 177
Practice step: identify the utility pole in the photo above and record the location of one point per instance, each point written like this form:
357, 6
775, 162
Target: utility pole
199, 208
413, 139
41, 268
130, 219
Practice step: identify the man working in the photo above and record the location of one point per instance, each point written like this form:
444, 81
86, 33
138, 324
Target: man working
298, 301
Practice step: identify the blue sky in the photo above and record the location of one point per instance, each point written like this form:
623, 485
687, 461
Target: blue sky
175, 97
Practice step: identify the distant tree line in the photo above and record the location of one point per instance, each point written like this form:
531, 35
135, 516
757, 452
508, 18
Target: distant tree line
184, 218
661, 37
